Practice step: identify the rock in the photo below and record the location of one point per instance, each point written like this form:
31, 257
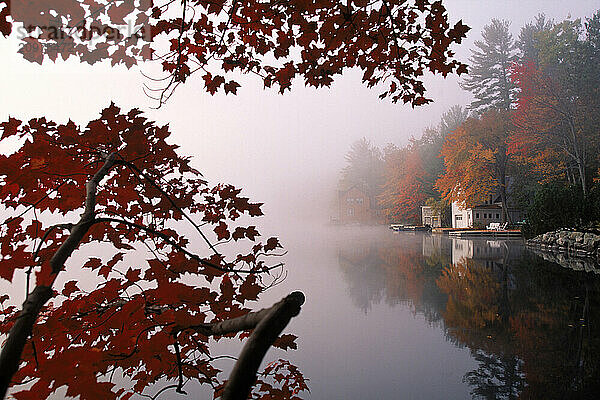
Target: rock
567, 245
562, 241
591, 241
576, 237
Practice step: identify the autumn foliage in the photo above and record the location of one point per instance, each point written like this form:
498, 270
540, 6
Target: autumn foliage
147, 276
476, 159
404, 189
393, 41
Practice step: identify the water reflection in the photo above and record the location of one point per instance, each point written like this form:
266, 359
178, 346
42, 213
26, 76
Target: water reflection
531, 325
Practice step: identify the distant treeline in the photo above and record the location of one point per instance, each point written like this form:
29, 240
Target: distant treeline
530, 136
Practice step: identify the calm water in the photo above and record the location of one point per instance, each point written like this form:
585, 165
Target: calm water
420, 316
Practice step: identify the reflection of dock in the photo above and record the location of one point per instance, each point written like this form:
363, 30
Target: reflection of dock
512, 233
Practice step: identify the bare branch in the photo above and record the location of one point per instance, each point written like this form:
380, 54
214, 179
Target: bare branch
243, 375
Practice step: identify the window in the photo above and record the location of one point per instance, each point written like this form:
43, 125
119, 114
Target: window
359, 201
459, 217
484, 215
497, 216
351, 211
477, 215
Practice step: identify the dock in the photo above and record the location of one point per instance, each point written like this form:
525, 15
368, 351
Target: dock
470, 233
409, 228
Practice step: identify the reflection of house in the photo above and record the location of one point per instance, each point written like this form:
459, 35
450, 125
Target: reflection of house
482, 215
430, 217
477, 250
435, 245
461, 249
356, 206
485, 252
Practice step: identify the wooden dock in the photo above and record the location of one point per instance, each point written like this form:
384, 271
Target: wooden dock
470, 233
409, 228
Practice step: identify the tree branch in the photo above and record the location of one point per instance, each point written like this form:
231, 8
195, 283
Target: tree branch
177, 246
17, 337
170, 200
271, 325
10, 356
80, 229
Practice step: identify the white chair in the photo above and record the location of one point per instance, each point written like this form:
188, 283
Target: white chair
493, 226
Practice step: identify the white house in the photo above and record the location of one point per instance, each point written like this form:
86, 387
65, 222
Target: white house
430, 217
482, 215
461, 217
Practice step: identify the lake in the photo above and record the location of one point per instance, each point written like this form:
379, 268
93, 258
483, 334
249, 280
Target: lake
421, 316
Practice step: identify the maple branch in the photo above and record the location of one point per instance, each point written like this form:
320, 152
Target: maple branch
80, 229
10, 356
9, 220
170, 200
177, 246
17, 337
244, 371
179, 367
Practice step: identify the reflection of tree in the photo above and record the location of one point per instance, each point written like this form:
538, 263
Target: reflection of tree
472, 302
362, 269
532, 327
524, 321
496, 377
557, 331
391, 271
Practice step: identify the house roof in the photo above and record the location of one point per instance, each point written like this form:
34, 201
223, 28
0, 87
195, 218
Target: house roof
358, 186
487, 207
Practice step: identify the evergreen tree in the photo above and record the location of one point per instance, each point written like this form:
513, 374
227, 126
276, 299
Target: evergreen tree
527, 43
488, 77
364, 167
452, 119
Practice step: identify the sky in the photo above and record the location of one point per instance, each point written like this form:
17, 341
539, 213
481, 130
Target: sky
278, 148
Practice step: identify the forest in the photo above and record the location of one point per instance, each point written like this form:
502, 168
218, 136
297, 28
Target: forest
124, 266
530, 138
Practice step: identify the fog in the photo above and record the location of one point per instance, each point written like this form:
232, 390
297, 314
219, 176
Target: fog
284, 150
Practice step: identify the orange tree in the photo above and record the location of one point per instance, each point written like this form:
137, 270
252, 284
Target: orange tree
116, 187
477, 160
404, 191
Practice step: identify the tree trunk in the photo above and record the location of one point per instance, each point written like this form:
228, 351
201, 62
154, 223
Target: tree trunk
10, 357
243, 375
581, 170
502, 161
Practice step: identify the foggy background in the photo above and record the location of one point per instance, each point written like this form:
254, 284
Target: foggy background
284, 150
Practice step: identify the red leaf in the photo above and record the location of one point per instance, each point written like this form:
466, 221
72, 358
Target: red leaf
249, 290
286, 342
222, 231
70, 288
10, 127
272, 244
231, 87
93, 263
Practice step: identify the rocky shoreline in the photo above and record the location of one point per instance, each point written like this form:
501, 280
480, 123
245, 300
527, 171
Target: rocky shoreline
568, 243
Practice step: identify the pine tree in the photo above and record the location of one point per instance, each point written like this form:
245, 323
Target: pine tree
488, 77
527, 43
364, 167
